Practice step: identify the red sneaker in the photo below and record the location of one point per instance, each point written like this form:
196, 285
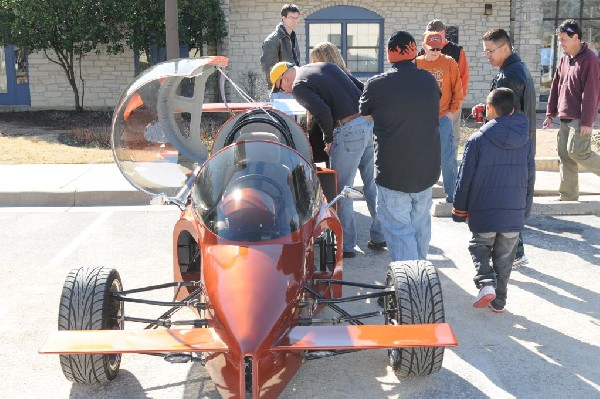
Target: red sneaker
487, 294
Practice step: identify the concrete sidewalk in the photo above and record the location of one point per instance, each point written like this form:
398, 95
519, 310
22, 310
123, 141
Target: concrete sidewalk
103, 184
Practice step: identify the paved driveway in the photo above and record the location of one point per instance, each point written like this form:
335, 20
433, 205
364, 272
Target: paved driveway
546, 345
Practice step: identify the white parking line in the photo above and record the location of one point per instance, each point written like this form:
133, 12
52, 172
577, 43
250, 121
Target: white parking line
68, 250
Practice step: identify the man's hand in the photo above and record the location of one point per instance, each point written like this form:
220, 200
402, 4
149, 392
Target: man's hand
327, 148
547, 122
449, 115
473, 109
585, 131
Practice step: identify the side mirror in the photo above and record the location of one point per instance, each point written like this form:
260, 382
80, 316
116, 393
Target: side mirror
347, 192
162, 199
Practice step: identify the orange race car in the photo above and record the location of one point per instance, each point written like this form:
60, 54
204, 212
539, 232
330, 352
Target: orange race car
255, 253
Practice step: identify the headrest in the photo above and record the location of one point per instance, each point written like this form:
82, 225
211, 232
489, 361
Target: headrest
253, 136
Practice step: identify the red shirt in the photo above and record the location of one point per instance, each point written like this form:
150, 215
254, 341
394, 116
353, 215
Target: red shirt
575, 89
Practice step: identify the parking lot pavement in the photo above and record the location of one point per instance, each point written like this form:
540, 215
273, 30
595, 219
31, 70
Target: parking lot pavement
546, 345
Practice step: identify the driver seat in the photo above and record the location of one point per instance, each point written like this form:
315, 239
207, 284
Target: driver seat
266, 160
249, 209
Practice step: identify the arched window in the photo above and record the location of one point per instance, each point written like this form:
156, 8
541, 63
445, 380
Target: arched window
356, 31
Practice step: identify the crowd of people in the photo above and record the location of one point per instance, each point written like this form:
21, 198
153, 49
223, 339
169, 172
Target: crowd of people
400, 130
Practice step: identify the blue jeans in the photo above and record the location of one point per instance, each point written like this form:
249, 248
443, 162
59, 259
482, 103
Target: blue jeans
406, 222
493, 255
449, 164
352, 150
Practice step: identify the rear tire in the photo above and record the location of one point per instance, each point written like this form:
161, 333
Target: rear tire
417, 300
86, 304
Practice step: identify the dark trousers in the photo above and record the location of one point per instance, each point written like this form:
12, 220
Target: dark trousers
520, 248
493, 255
317, 143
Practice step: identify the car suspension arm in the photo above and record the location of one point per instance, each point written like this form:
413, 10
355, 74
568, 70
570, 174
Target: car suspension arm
333, 306
164, 320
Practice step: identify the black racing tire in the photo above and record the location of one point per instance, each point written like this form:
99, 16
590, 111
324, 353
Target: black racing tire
86, 304
417, 300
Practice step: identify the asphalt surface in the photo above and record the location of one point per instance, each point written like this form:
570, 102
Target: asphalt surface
547, 344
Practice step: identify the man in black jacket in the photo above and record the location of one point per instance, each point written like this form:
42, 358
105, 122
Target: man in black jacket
513, 74
404, 104
282, 43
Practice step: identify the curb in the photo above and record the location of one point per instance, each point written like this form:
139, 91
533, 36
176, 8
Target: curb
587, 205
72, 198
547, 163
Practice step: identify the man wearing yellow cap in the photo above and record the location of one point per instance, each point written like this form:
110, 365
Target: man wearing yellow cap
331, 96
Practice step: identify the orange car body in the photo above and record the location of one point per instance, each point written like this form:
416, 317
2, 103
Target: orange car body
254, 292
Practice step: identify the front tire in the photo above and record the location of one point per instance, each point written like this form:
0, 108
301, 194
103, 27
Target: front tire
417, 300
86, 304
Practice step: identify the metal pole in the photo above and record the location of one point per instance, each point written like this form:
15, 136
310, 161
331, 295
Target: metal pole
172, 29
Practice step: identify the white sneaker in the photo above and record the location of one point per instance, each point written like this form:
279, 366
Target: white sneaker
521, 261
487, 294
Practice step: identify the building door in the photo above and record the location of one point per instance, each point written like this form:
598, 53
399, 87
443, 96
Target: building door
14, 76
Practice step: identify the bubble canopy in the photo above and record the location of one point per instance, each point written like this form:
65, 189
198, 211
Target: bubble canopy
256, 191
156, 125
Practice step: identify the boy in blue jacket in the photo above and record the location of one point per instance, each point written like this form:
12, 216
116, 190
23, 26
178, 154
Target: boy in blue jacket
494, 193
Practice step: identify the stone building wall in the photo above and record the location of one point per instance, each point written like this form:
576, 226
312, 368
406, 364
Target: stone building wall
526, 33
251, 22
105, 76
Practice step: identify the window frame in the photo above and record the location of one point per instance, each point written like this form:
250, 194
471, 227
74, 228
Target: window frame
556, 19
345, 15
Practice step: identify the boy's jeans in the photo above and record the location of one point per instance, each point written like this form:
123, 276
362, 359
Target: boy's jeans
493, 255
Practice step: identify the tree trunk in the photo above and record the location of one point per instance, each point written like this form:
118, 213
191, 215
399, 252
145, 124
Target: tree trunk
66, 63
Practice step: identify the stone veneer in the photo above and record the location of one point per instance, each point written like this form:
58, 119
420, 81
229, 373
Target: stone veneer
105, 76
250, 22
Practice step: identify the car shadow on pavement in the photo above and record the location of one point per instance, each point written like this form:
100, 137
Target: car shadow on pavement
126, 385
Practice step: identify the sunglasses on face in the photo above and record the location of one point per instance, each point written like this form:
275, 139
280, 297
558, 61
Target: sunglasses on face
434, 49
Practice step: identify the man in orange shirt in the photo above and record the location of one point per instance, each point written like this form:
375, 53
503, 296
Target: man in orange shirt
458, 53
445, 70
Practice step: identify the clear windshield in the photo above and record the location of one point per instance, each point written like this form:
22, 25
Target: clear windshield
156, 126
256, 191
